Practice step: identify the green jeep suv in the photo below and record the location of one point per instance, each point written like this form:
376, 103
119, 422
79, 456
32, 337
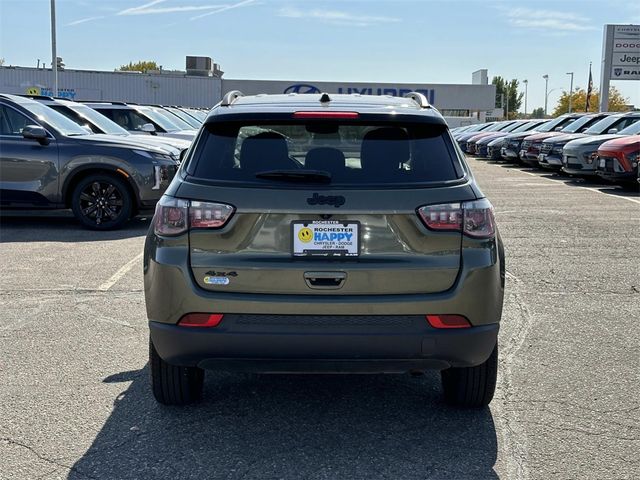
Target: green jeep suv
324, 233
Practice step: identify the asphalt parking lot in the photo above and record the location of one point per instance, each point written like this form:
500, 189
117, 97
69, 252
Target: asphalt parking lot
74, 389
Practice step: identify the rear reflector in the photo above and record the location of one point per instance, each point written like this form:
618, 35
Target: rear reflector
201, 320
326, 115
448, 321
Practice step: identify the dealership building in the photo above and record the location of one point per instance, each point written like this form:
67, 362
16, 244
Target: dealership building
202, 85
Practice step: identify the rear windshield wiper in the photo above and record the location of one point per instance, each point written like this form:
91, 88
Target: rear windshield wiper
313, 176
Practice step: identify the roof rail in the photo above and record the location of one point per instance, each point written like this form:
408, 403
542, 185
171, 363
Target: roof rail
419, 98
105, 102
40, 97
230, 97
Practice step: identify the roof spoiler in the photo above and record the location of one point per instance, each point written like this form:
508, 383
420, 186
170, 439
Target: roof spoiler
231, 97
419, 98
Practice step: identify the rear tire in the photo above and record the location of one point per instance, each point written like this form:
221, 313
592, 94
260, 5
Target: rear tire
172, 384
471, 387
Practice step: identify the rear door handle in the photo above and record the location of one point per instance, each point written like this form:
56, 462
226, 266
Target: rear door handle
325, 280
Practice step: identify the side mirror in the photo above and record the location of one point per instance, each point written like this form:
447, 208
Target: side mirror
87, 128
35, 132
612, 130
557, 129
148, 128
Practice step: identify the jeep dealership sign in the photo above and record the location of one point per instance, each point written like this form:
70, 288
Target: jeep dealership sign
620, 57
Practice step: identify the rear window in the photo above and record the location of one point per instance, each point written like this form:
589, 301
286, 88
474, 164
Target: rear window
344, 154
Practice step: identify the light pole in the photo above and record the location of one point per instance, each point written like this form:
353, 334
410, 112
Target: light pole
526, 84
54, 55
570, 91
546, 95
546, 98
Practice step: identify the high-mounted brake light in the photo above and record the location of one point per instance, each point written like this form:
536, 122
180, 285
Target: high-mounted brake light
201, 320
342, 115
174, 216
474, 219
448, 321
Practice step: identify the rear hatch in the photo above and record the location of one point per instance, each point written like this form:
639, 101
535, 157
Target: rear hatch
325, 207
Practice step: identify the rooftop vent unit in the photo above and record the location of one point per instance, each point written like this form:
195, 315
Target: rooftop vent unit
203, 67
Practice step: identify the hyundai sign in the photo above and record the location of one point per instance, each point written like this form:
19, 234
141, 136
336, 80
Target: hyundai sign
444, 97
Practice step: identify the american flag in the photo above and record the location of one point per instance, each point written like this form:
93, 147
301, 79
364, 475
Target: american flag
589, 90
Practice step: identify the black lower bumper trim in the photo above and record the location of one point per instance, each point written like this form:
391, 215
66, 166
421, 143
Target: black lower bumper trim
342, 344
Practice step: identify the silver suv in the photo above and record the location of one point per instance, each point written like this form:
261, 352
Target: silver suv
324, 233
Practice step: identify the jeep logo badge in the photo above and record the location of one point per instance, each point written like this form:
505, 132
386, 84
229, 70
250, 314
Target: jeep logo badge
335, 200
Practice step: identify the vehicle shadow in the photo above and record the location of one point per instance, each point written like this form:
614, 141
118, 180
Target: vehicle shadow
293, 426
61, 226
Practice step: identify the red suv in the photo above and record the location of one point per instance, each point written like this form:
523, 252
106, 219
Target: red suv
618, 160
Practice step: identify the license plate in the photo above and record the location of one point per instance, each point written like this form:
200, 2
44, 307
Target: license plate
603, 163
325, 238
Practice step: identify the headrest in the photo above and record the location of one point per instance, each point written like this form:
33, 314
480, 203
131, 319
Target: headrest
265, 151
325, 158
384, 149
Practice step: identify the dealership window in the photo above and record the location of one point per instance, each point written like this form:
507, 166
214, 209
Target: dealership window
455, 113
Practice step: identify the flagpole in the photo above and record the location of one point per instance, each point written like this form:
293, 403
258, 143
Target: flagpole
589, 90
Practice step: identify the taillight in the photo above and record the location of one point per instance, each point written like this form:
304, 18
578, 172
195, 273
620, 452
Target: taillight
174, 216
448, 321
201, 320
479, 220
209, 215
447, 216
474, 219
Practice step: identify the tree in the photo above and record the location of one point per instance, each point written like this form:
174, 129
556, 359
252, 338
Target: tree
537, 113
511, 96
1, 61
141, 66
617, 103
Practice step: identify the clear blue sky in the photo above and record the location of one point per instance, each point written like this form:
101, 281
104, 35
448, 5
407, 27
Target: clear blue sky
424, 41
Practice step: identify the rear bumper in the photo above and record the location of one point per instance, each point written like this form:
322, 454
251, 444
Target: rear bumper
323, 343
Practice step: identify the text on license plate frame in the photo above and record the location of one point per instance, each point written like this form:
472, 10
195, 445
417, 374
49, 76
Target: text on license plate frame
347, 246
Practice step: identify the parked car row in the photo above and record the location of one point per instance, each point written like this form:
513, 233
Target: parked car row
104, 160
602, 144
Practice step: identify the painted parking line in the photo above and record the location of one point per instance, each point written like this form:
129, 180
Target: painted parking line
122, 271
559, 182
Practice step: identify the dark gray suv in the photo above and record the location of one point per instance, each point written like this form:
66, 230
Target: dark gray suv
48, 161
324, 233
